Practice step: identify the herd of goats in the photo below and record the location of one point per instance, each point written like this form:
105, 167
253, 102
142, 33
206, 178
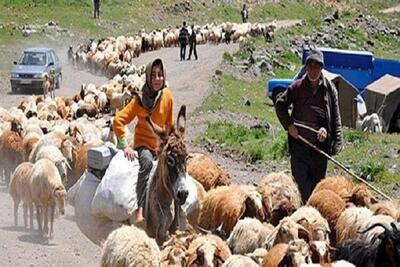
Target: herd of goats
44, 144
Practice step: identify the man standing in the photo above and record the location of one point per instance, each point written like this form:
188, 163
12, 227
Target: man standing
315, 105
245, 14
96, 7
183, 40
192, 43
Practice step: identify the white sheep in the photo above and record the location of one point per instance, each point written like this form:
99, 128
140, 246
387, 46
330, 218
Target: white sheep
239, 261
248, 235
129, 246
53, 138
54, 154
311, 219
350, 222
371, 235
284, 232
47, 192
118, 101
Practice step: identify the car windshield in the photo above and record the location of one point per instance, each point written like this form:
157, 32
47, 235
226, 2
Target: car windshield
33, 58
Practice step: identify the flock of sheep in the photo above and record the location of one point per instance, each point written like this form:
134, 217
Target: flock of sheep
44, 143
342, 224
114, 55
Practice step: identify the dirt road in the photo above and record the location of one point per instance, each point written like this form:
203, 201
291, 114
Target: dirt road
190, 83
189, 80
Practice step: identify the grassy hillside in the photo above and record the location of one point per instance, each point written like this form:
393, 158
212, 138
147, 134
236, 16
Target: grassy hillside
372, 156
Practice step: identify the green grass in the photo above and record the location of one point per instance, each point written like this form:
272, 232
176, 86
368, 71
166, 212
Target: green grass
229, 96
253, 144
368, 155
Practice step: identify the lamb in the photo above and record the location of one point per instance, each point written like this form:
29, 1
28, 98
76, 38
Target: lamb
286, 231
359, 194
48, 85
295, 253
203, 169
11, 148
208, 250
54, 154
53, 138
89, 109
47, 192
173, 251
20, 190
118, 101
350, 222
29, 141
225, 205
239, 261
312, 220
129, 246
320, 252
371, 235
284, 194
248, 235
330, 205
390, 208
107, 133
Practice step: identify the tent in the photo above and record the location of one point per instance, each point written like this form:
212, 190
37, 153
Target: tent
347, 94
383, 97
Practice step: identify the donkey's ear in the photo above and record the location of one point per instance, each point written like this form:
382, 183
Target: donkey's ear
160, 132
181, 121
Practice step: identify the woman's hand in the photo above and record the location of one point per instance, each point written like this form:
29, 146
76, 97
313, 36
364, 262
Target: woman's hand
129, 153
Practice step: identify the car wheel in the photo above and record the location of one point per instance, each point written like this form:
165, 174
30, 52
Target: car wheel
59, 81
277, 91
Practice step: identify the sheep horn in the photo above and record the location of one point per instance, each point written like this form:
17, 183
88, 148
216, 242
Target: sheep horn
395, 230
373, 226
203, 231
68, 165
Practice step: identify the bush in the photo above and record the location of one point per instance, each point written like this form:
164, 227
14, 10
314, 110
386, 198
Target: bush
370, 169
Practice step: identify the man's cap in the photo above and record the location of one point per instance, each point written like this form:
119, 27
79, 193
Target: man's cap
315, 55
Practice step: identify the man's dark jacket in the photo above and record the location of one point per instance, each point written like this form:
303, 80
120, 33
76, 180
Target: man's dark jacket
333, 142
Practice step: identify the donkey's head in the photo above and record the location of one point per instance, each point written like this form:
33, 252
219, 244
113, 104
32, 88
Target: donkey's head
172, 156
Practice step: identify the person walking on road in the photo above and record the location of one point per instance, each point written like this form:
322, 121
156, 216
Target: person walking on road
96, 8
192, 43
245, 14
183, 40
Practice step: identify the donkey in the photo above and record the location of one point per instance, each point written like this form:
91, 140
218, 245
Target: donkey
167, 189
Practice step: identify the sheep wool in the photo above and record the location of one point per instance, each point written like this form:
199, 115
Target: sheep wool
129, 246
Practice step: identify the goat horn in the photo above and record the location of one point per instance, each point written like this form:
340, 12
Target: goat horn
373, 226
394, 226
203, 231
68, 165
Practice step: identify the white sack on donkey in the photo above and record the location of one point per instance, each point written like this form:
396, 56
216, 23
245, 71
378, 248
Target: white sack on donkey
96, 228
115, 197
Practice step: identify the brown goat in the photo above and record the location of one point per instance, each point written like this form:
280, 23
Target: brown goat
20, 190
330, 205
284, 195
226, 205
11, 149
206, 171
207, 250
358, 194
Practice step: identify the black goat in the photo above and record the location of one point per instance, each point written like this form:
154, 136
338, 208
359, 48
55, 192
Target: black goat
383, 251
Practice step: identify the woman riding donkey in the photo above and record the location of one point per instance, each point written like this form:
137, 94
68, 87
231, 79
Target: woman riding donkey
155, 101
